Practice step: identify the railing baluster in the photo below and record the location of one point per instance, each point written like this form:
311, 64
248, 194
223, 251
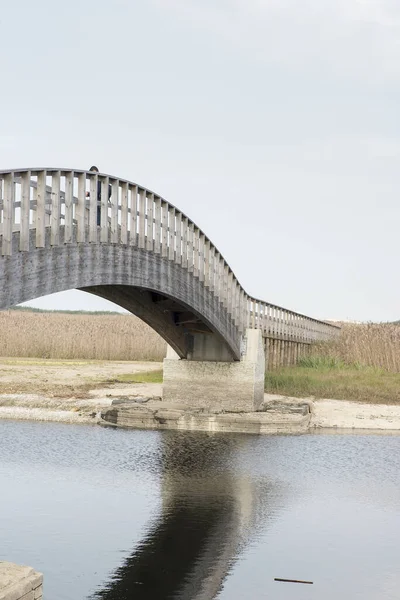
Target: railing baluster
164, 243
124, 212
150, 217
201, 256
104, 210
40, 210
25, 211
207, 262
142, 218
93, 206
55, 209
8, 202
157, 225
190, 247
171, 232
178, 254
185, 242
234, 299
211, 279
69, 182
114, 211
222, 280
133, 220
230, 293
80, 208
225, 294
195, 251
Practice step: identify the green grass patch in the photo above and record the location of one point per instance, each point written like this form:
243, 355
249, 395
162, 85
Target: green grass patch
319, 377
321, 362
145, 377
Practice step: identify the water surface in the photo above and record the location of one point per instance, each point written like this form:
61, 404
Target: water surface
109, 514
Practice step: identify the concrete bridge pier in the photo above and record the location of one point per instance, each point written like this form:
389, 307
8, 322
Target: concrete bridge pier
209, 378
20, 583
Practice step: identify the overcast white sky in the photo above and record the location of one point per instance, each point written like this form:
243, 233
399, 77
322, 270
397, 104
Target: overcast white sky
274, 124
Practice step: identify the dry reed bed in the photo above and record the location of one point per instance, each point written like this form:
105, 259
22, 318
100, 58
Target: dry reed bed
83, 336
369, 344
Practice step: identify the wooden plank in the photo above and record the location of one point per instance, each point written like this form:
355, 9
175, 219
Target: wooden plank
69, 184
283, 323
221, 264
201, 256
93, 208
150, 222
196, 235
171, 232
104, 210
264, 318
178, 237
33, 205
164, 232
25, 211
221, 283
247, 301
114, 211
133, 225
47, 205
142, 218
225, 279
190, 247
207, 262
211, 272
80, 211
124, 212
157, 225
40, 210
270, 319
237, 301
55, 218
185, 242
9, 191
230, 293
242, 321
217, 279
252, 316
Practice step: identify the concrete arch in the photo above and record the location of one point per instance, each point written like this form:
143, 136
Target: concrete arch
162, 293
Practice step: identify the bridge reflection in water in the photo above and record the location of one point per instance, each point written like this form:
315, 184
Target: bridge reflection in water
209, 512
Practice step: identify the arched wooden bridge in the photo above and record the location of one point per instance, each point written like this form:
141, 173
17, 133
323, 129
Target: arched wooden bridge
66, 229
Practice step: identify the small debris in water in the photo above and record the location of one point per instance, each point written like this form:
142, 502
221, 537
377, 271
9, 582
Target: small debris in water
293, 580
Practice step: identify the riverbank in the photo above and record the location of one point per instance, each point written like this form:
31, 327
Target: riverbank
124, 394
143, 408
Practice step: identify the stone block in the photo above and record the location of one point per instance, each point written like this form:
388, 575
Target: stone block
38, 593
18, 582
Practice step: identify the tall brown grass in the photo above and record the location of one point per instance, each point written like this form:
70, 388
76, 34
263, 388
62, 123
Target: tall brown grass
78, 336
369, 344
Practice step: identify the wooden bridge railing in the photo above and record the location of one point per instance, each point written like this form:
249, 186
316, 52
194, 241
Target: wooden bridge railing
72, 202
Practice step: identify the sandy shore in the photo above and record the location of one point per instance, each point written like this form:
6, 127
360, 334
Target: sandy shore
79, 392
345, 415
68, 391
341, 414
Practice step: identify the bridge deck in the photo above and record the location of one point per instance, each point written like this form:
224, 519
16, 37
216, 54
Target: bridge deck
49, 208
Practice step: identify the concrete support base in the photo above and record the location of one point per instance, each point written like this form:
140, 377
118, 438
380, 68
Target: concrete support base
20, 583
231, 386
